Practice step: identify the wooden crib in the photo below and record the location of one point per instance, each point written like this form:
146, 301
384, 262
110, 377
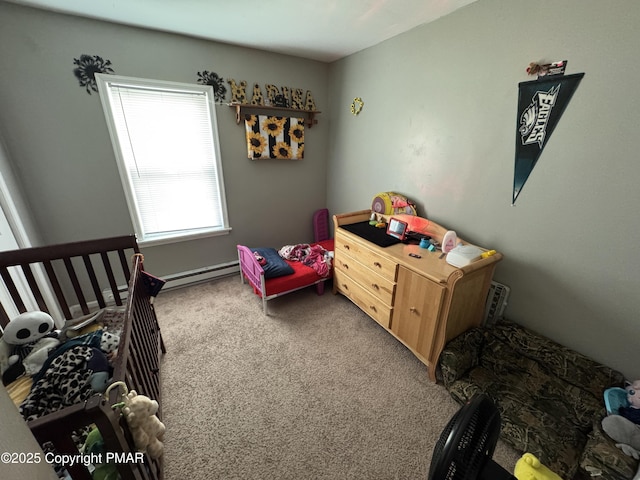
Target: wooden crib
86, 276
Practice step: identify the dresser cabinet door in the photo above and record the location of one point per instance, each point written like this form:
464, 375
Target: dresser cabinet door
416, 311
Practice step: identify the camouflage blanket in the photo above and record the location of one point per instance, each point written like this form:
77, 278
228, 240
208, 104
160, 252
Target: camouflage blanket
548, 395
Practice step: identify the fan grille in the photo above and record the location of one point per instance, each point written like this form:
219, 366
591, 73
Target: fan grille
467, 442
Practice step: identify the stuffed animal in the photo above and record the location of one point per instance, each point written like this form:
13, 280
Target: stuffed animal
530, 468
94, 445
27, 341
5, 356
627, 402
625, 433
622, 421
633, 393
99, 365
147, 430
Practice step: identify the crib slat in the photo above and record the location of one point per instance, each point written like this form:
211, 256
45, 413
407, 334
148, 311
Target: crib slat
124, 263
94, 281
141, 357
4, 318
77, 469
35, 289
13, 291
112, 281
53, 279
142, 341
140, 338
76, 285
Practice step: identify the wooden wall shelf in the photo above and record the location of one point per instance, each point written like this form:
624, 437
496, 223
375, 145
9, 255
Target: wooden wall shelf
308, 114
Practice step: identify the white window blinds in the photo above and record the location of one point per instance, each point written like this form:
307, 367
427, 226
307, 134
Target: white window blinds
165, 139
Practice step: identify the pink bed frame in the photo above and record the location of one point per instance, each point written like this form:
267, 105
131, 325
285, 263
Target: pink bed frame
303, 276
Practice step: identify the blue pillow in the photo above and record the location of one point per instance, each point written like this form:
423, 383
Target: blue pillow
275, 265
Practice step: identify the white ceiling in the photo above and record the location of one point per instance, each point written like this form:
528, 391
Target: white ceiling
324, 30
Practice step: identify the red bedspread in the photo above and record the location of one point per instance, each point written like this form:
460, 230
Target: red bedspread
301, 277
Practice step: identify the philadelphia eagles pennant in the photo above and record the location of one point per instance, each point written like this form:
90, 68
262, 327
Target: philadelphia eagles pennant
540, 105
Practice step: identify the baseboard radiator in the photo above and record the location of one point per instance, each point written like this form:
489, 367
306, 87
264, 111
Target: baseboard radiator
200, 275
496, 303
175, 280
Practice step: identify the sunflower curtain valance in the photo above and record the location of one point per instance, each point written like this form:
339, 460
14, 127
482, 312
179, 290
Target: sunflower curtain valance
274, 137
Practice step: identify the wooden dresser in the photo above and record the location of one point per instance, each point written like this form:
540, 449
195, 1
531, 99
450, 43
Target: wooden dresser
423, 302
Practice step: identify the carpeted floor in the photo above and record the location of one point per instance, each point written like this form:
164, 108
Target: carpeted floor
316, 390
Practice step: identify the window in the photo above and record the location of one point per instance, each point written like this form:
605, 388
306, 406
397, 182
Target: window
165, 140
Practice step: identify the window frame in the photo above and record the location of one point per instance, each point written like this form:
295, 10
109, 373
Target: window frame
104, 82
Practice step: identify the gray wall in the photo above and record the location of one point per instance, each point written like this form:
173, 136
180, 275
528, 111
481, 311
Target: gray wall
58, 143
439, 125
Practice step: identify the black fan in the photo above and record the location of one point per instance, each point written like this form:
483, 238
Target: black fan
467, 443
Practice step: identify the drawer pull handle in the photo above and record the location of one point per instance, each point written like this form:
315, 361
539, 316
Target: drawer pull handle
346, 247
375, 285
373, 307
344, 285
377, 264
413, 310
345, 266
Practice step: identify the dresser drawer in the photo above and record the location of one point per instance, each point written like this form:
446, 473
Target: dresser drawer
384, 267
368, 303
378, 286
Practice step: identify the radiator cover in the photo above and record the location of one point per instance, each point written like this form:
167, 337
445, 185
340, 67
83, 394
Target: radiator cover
496, 303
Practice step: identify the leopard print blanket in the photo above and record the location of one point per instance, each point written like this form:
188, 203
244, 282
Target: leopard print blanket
65, 378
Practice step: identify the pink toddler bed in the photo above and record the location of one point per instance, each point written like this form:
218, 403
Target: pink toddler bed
303, 276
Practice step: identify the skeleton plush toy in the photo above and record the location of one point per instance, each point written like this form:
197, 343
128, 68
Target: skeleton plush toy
25, 345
